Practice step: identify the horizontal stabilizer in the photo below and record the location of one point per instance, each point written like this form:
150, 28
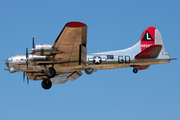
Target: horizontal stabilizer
150, 52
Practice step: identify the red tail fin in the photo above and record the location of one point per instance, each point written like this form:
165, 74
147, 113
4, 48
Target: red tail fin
148, 38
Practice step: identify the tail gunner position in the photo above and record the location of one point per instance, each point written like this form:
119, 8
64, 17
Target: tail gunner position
67, 57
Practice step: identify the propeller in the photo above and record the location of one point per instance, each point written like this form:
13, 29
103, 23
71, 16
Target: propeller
33, 42
33, 45
27, 58
6, 69
23, 76
27, 80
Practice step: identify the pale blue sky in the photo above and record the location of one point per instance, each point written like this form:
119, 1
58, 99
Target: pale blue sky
117, 94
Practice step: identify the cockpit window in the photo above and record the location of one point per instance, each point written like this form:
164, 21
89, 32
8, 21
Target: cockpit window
31, 53
110, 56
10, 59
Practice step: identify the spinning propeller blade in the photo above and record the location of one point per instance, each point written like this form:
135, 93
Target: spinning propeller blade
27, 80
27, 58
6, 69
33, 42
23, 76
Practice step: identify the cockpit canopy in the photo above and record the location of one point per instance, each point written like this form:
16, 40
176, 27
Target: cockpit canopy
17, 58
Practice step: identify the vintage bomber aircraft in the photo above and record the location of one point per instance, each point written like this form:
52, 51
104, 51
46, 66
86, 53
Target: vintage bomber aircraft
67, 57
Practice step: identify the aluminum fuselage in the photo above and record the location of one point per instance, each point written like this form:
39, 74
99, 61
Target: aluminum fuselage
104, 61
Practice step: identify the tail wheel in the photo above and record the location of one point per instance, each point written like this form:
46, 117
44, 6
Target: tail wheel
135, 70
46, 84
89, 71
50, 72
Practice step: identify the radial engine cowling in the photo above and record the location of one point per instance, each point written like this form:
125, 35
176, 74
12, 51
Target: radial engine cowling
12, 70
35, 57
43, 49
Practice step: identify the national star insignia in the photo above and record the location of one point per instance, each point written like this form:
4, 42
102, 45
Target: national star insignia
97, 59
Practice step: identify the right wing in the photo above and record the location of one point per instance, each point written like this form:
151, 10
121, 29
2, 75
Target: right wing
72, 44
73, 33
70, 48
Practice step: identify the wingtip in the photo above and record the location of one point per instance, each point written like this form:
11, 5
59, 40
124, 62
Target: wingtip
75, 24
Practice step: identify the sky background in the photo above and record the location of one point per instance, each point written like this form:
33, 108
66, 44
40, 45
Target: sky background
117, 94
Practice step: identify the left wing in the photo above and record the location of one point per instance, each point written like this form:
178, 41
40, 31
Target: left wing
60, 78
64, 77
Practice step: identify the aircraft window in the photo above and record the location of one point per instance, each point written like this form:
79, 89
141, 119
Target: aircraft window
30, 53
110, 56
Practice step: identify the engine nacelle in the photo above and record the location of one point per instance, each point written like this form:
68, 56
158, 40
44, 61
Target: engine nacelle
43, 47
12, 70
35, 57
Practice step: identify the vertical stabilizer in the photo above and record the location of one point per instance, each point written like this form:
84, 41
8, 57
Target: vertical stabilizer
151, 36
